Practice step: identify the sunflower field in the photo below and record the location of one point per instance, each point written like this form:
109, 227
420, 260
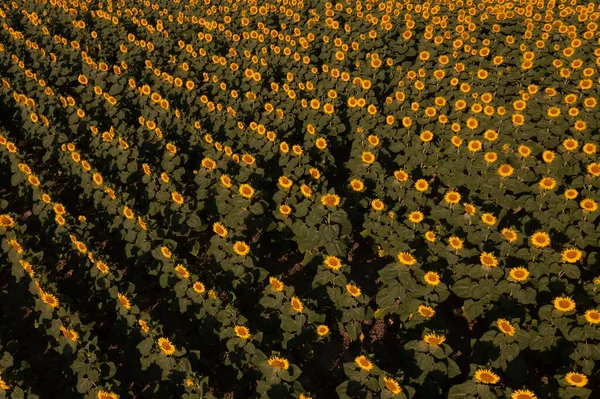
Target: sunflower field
299, 199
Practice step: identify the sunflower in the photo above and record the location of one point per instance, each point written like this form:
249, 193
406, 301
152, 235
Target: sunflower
564, 304
6, 221
421, 185
548, 156
242, 332
474, 145
276, 284
523, 394
330, 200
198, 287
519, 273
401, 175
128, 213
505, 326
357, 185
4, 385
49, 300
392, 385
144, 325
219, 229
469, 208
510, 234
426, 311
241, 248
452, 197
322, 330
209, 163
377, 204
540, 239
285, 209
505, 170
182, 271
486, 376
406, 259
374, 141
177, 198
368, 157
353, 290
430, 236
124, 301
284, 182
297, 304
97, 178
306, 191
363, 362
570, 255
592, 316
166, 252
431, 278
333, 263
279, 363
488, 219
571, 193
576, 379
594, 169
547, 183
588, 205
416, 216
455, 242
166, 346
570, 144
488, 259
246, 190
434, 339
71, 335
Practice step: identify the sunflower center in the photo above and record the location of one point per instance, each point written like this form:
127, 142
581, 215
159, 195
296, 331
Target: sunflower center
523, 396
564, 304
576, 378
487, 260
594, 316
519, 274
278, 364
426, 312
486, 377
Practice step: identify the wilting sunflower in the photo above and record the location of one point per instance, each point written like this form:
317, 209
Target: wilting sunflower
540, 239
392, 385
434, 339
278, 363
505, 326
363, 362
166, 346
486, 376
564, 304
242, 332
576, 379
